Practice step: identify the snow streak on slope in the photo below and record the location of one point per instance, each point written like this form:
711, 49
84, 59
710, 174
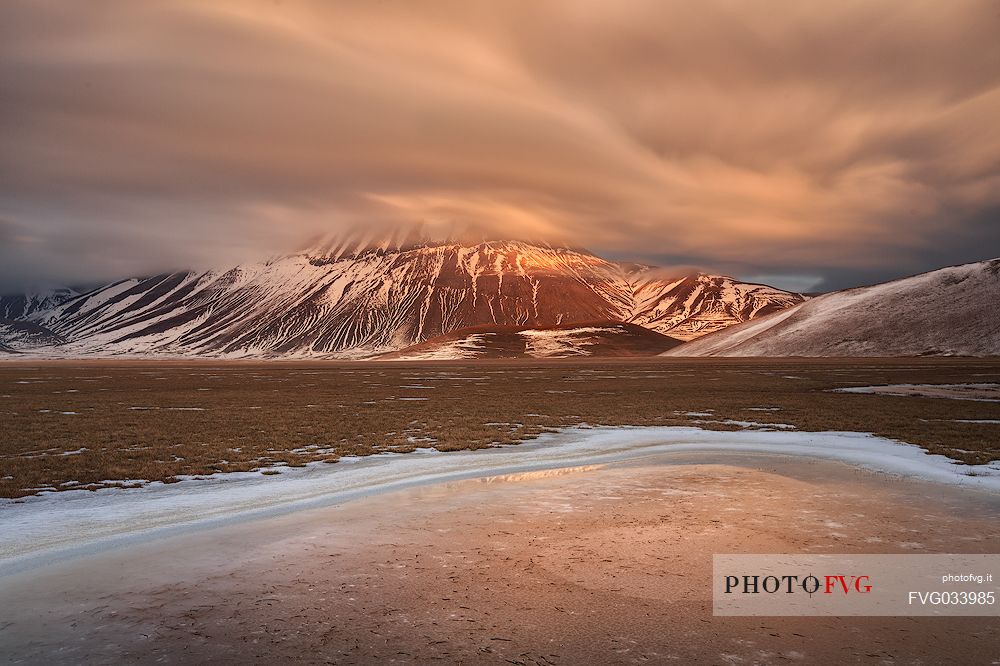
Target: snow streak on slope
359, 296
951, 311
555, 343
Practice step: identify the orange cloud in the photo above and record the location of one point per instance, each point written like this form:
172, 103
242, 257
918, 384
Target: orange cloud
737, 134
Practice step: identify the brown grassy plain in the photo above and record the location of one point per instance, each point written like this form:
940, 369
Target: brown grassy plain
92, 424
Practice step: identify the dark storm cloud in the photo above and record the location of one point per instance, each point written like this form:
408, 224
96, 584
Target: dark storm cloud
830, 141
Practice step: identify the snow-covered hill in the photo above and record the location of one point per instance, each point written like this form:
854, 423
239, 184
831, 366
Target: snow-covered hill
952, 311
691, 306
20, 306
25, 336
356, 297
599, 339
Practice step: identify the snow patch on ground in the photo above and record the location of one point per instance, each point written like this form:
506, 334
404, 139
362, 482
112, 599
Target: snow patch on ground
467, 347
979, 392
753, 424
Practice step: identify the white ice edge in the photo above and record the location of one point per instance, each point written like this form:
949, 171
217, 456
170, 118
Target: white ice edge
44, 528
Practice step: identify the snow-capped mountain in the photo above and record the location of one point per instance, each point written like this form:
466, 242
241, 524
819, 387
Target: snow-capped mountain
602, 339
356, 297
16, 331
951, 311
20, 306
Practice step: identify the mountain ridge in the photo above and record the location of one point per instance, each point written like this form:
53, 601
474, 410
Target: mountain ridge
947, 312
364, 295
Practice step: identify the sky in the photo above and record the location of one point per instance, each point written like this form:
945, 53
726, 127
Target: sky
812, 145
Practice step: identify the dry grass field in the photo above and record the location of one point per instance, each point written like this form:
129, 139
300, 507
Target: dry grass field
92, 424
